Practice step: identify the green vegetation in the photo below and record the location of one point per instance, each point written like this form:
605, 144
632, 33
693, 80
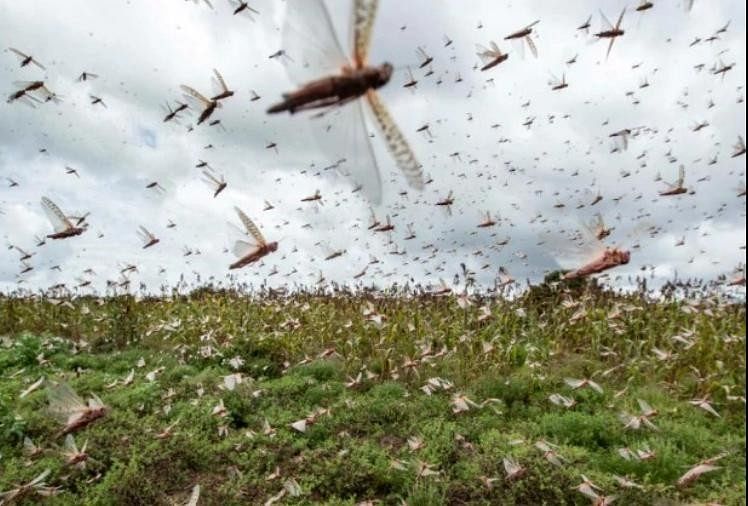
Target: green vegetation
357, 369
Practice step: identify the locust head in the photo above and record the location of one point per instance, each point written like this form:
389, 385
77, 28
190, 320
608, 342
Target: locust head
384, 73
619, 256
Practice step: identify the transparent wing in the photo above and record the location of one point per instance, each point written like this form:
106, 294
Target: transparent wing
70, 445
63, 401
486, 55
23, 84
573, 383
531, 45
396, 143
587, 490
607, 25
364, 13
194, 94
519, 45
310, 41
574, 248
145, 235
345, 139
242, 248
644, 406
211, 179
58, 219
620, 18
40, 478
19, 53
219, 82
250, 226
681, 176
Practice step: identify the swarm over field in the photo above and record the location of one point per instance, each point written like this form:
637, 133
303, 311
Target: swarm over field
345, 398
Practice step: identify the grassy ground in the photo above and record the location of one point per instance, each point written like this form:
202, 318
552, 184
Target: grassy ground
357, 370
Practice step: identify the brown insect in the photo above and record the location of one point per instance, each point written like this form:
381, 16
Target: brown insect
491, 57
525, 36
26, 88
242, 7
219, 84
86, 76
209, 105
447, 202
148, 238
504, 278
514, 471
74, 457
173, 114
611, 32
677, 187
385, 227
217, 183
703, 467
644, 5
557, 85
411, 82
64, 228
738, 148
69, 408
424, 57
607, 259
487, 222
599, 229
26, 59
249, 253
309, 21
317, 197
585, 27
36, 486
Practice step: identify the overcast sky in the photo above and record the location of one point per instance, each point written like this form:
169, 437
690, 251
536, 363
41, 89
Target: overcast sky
144, 50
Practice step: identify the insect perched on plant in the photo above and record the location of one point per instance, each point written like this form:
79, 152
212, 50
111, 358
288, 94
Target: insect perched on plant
74, 457
73, 411
309, 36
250, 253
36, 486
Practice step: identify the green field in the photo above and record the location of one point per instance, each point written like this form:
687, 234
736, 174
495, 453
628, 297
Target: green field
406, 399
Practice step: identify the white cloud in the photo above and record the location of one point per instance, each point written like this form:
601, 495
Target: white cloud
144, 50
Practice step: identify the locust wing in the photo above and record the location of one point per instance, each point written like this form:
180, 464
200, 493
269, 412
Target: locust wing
242, 249
396, 143
309, 39
251, 227
218, 82
60, 222
64, 403
345, 140
681, 176
192, 93
364, 14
